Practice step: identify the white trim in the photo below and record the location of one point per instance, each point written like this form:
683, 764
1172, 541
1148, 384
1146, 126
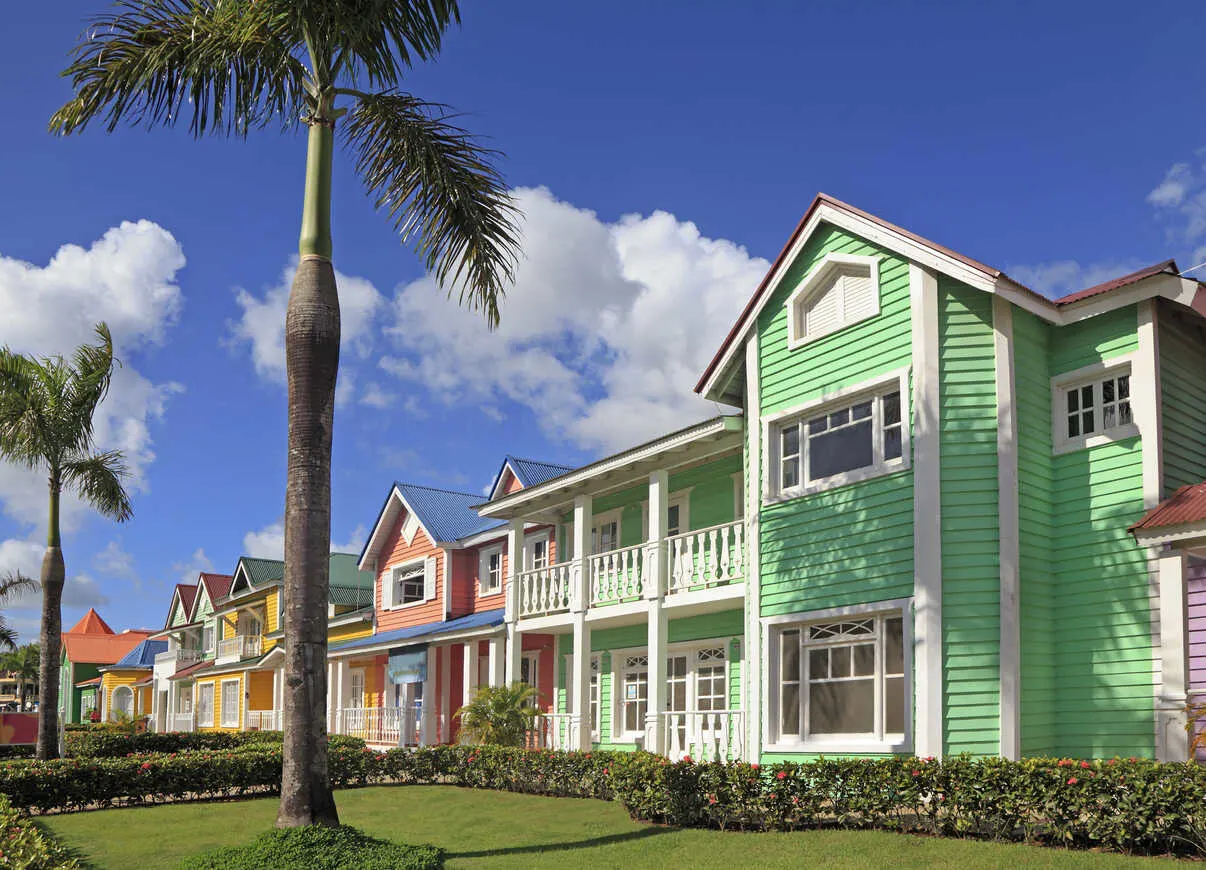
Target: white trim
390, 577
753, 677
410, 526
1145, 374
839, 743
880, 385
1094, 373
1171, 534
1009, 521
927, 513
615, 515
483, 567
498, 535
1172, 739
221, 692
447, 592
815, 283
368, 559
199, 688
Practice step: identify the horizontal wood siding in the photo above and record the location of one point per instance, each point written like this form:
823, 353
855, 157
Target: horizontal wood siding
1197, 626
1095, 339
971, 577
1183, 397
1031, 348
856, 353
397, 552
463, 566
487, 602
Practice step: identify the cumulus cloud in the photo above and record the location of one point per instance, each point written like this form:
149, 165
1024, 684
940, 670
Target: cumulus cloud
189, 568
127, 278
1172, 190
603, 335
269, 542
1180, 200
1061, 277
354, 542
114, 561
80, 591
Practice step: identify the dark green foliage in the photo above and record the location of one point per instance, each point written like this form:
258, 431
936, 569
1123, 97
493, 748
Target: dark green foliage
319, 848
24, 844
499, 715
107, 741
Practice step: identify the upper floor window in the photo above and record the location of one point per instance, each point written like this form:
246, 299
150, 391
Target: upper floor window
605, 535
207, 638
841, 290
1091, 405
838, 443
489, 575
408, 583
536, 553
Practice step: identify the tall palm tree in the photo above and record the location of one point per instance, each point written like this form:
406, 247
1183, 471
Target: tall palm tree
230, 66
23, 661
46, 410
12, 585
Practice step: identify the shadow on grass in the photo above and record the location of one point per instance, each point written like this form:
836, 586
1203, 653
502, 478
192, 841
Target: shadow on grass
642, 834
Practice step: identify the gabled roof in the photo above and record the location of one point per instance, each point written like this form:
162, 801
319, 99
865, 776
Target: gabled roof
210, 587
255, 574
349, 585
445, 515
1185, 507
185, 594
529, 472
90, 624
143, 655
101, 649
1168, 267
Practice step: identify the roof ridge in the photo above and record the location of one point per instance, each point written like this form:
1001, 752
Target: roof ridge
437, 489
515, 458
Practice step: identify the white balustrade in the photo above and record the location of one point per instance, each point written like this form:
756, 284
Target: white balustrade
617, 575
551, 731
705, 735
388, 726
704, 558
544, 590
234, 649
263, 720
182, 722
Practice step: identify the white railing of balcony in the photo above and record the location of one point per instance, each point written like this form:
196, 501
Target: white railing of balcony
705, 735
544, 590
262, 720
239, 647
617, 575
182, 722
552, 731
704, 558
389, 726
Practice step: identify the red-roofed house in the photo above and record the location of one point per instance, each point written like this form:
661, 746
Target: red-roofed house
87, 646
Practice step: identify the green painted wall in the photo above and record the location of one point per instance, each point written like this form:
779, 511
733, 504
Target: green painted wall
851, 355
1183, 397
1090, 341
1032, 340
971, 574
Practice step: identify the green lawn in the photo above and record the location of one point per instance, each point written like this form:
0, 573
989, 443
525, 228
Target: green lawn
497, 829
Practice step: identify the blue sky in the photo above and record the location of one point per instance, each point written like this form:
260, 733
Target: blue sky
662, 153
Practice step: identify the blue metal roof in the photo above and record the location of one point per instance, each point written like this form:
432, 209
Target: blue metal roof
532, 473
447, 515
484, 619
143, 655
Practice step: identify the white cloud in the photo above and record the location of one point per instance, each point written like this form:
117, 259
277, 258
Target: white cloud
267, 543
114, 561
1180, 199
1061, 277
25, 556
603, 335
189, 568
262, 324
127, 279
354, 543
1172, 190
376, 397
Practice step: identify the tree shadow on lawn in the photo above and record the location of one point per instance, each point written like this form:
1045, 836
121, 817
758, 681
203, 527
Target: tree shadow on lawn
592, 843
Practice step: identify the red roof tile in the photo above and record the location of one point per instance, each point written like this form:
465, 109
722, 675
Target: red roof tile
95, 681
91, 624
190, 670
188, 594
1186, 505
102, 649
1167, 267
217, 585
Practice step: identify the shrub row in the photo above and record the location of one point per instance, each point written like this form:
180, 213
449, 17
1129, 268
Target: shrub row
316, 848
101, 742
24, 844
1124, 805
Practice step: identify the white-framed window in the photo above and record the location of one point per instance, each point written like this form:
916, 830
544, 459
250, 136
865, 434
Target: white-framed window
529, 669
1092, 406
605, 534
230, 703
595, 669
248, 624
87, 705
841, 290
634, 696
840, 681
678, 513
123, 702
853, 435
205, 705
408, 584
184, 702
536, 552
207, 638
356, 686
490, 570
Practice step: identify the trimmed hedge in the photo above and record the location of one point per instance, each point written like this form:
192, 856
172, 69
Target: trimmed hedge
1123, 805
103, 742
26, 845
316, 848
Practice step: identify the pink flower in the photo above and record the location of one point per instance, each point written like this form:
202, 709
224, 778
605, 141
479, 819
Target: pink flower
753, 767
916, 773
1073, 781
711, 800
1111, 761
781, 774
1085, 765
607, 771
687, 759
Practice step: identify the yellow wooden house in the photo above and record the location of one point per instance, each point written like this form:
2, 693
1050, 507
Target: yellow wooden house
125, 687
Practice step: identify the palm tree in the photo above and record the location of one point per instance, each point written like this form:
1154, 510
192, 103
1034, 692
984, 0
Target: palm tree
230, 66
11, 586
46, 410
24, 661
499, 715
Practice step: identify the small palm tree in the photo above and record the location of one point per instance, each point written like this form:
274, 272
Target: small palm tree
230, 66
46, 410
11, 586
22, 662
499, 715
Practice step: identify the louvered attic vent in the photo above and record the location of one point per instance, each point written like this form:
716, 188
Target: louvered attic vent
841, 290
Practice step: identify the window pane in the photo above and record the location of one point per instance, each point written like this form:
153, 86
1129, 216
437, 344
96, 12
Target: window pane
861, 411
864, 660
789, 709
820, 424
891, 408
1074, 426
1124, 386
1107, 390
1086, 422
841, 708
791, 655
791, 472
844, 450
1124, 413
839, 661
894, 705
678, 696
676, 666
839, 418
1073, 401
894, 646
818, 664
892, 443
1086, 396
1107, 417
791, 441
672, 527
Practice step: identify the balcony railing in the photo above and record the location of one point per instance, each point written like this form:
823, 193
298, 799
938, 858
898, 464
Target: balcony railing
167, 663
388, 726
696, 560
236, 648
552, 731
705, 735
182, 722
262, 720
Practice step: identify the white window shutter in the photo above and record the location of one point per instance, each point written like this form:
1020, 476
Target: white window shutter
824, 312
387, 589
429, 578
859, 296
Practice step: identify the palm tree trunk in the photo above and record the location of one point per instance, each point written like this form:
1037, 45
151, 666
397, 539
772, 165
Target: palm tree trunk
312, 364
54, 571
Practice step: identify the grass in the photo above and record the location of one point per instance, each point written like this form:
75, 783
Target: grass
481, 829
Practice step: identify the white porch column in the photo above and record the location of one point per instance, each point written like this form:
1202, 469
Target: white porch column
330, 697
468, 672
754, 658
579, 707
446, 695
1172, 740
340, 671
497, 667
655, 560
427, 728
514, 559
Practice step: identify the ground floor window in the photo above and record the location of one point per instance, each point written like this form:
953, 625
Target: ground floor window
634, 695
594, 692
230, 704
205, 705
840, 679
123, 702
696, 681
87, 705
529, 669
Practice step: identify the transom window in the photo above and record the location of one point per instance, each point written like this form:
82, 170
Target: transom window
862, 435
490, 571
409, 583
1098, 406
841, 680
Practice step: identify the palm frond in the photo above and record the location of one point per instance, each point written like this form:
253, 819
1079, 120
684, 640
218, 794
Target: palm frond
228, 65
98, 479
441, 189
91, 373
14, 583
22, 425
8, 635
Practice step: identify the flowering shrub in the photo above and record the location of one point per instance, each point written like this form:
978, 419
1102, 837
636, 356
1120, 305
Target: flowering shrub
23, 844
109, 742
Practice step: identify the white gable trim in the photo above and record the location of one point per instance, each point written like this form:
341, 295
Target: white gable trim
498, 487
201, 591
385, 521
240, 573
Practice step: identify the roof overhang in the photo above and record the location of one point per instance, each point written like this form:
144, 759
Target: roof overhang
174, 629
395, 503
479, 633
1182, 537
723, 380
715, 437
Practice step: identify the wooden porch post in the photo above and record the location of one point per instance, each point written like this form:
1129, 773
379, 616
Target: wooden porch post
655, 560
579, 602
